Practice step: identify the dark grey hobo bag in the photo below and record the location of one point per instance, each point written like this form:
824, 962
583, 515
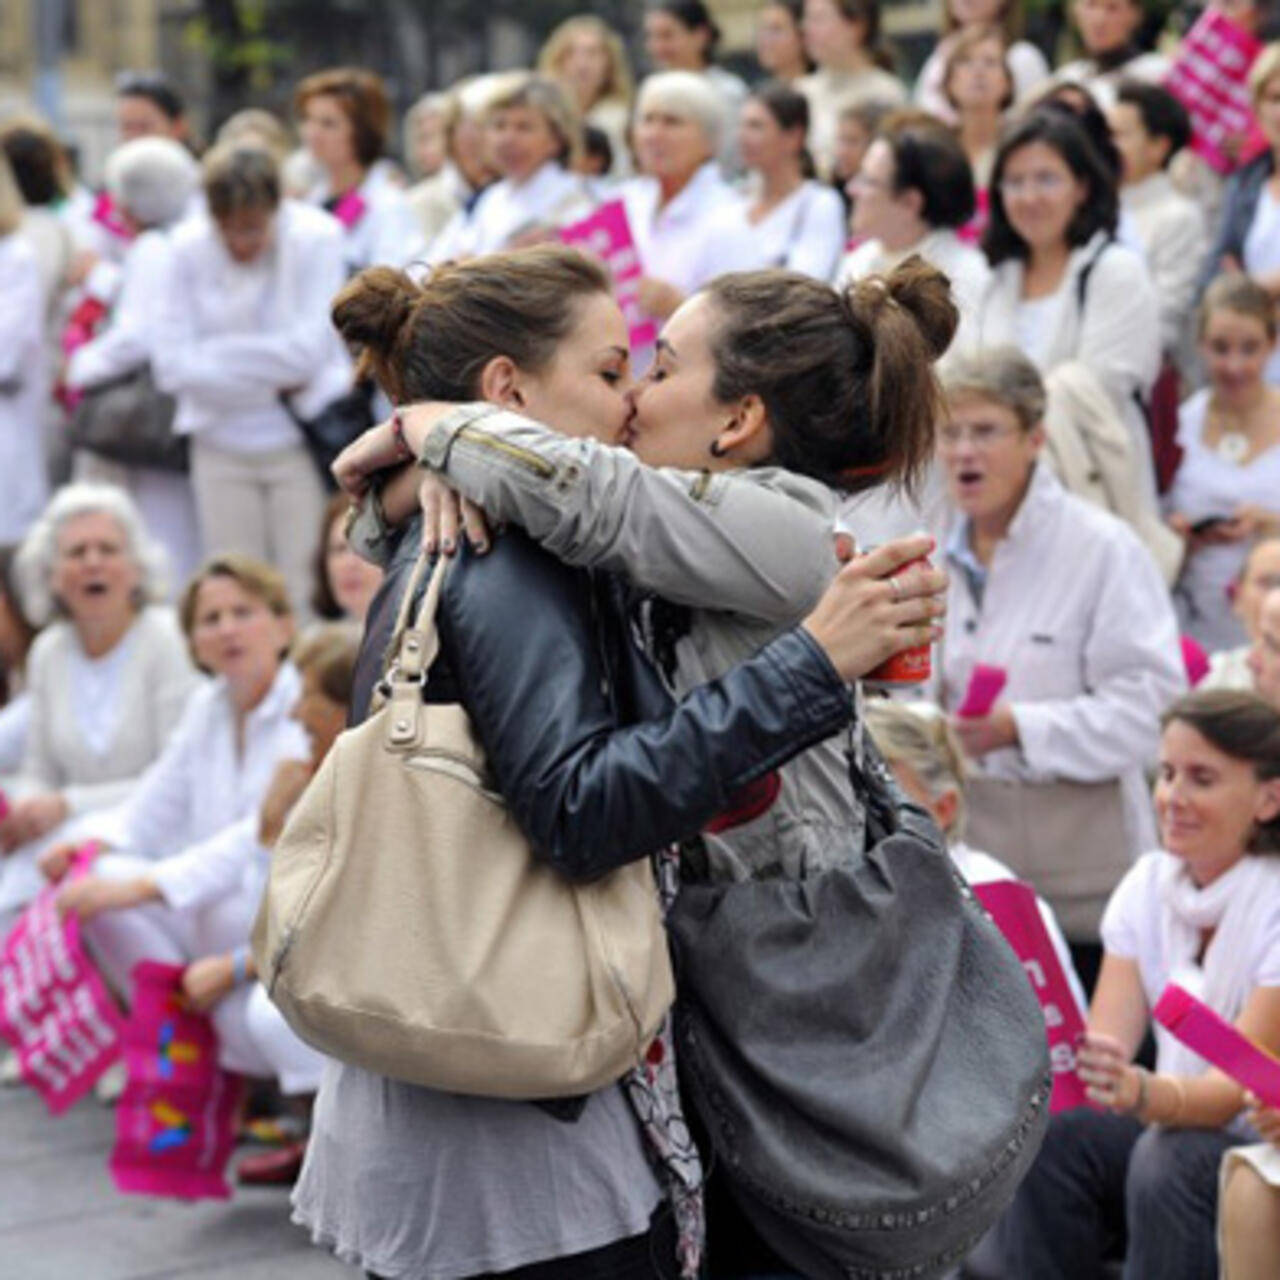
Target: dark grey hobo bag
864, 1051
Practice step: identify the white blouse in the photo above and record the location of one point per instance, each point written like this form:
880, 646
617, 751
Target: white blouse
805, 233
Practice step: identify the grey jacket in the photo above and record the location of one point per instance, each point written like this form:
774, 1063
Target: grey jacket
745, 555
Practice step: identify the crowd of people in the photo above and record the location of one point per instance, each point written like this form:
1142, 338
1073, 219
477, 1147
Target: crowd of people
1007, 303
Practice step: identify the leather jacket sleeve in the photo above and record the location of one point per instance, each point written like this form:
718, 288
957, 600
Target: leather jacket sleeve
522, 639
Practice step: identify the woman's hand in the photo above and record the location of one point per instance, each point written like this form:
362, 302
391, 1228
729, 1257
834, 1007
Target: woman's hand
208, 980
92, 895
1255, 521
55, 862
863, 618
657, 297
444, 510
30, 819
980, 735
1265, 1119
287, 784
1103, 1067
378, 449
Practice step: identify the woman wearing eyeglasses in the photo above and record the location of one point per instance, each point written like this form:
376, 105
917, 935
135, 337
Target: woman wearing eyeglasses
1062, 287
1067, 602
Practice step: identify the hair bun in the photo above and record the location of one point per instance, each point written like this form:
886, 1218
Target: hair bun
373, 313
926, 293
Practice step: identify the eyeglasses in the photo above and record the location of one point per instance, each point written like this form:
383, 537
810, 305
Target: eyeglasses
982, 435
1039, 184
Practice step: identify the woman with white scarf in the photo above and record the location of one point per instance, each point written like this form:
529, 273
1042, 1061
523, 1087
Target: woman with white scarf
1141, 1173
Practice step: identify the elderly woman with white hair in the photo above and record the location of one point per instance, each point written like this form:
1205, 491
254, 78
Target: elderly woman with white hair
24, 382
677, 208
152, 182
107, 677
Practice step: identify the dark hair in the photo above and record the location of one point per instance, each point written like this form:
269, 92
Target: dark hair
1076, 101
240, 176
693, 15
1246, 728
845, 378
13, 598
363, 99
867, 12
596, 146
928, 158
156, 88
790, 110
431, 341
324, 604
1163, 116
36, 157
1062, 131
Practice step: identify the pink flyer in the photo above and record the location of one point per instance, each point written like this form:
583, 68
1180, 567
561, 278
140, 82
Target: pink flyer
175, 1124
54, 1009
1013, 906
607, 235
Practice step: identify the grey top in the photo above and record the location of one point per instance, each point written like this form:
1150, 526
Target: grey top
413, 1184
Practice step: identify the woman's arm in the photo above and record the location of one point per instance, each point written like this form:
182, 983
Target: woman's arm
724, 541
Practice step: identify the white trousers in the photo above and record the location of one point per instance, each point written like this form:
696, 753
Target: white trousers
253, 1037
268, 505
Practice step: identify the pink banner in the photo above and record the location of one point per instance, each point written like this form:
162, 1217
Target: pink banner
607, 235
1209, 77
1219, 1043
54, 1009
175, 1124
1014, 908
985, 685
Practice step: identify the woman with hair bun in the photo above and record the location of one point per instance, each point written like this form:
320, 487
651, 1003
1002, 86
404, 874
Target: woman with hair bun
1136, 1175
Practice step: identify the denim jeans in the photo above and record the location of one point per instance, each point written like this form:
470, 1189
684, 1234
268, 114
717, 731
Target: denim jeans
1103, 1187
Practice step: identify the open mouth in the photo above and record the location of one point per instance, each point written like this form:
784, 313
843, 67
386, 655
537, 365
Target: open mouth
96, 588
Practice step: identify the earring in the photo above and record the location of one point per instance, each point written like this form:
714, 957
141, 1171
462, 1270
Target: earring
717, 449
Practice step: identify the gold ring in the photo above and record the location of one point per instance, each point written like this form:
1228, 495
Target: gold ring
897, 590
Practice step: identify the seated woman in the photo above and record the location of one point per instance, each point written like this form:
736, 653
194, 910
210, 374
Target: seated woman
533, 135
921, 748
1061, 287
1226, 493
754, 528
912, 194
344, 582
1091, 656
791, 220
1139, 1178
241, 326
108, 677
152, 182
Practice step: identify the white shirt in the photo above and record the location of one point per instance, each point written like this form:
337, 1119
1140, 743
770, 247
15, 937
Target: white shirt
387, 233
1229, 669
200, 784
805, 232
232, 336
1262, 254
1134, 926
963, 264
1171, 230
549, 196
24, 388
1148, 67
1208, 485
1076, 612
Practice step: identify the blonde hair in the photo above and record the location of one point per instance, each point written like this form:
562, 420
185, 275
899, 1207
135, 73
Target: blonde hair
11, 206
547, 97
254, 125
1265, 69
619, 85
253, 576
328, 650
917, 735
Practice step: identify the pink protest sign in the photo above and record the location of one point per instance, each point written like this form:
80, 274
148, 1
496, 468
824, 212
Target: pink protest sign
1219, 1043
985, 686
175, 1124
1014, 908
54, 1009
1209, 77
607, 235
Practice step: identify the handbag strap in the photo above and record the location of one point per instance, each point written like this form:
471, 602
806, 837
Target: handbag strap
414, 647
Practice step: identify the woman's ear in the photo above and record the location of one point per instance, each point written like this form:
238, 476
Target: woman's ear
746, 436
1268, 807
500, 383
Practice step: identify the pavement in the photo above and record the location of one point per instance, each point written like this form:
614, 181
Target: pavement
61, 1218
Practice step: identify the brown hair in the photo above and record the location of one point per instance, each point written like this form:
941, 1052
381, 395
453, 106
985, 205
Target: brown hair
846, 378
328, 651
431, 341
323, 601
1241, 294
260, 580
1246, 728
867, 12
552, 102
37, 159
1008, 21
968, 40
363, 99
239, 176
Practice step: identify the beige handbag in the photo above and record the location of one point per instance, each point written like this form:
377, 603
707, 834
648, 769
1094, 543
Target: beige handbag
408, 928
1068, 839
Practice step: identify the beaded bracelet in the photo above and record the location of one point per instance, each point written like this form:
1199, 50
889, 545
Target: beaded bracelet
397, 434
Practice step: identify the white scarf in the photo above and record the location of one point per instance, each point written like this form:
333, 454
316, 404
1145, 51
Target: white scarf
1235, 907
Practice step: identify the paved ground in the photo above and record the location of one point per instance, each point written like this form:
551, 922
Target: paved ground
61, 1218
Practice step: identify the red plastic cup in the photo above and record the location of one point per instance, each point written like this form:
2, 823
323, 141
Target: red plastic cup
910, 666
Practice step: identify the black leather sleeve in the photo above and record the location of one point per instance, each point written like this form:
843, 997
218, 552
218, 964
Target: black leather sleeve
589, 793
